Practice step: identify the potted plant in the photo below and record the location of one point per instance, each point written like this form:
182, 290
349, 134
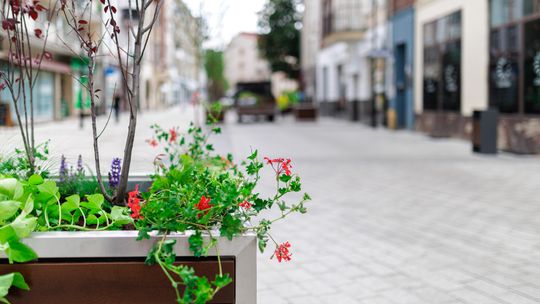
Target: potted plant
190, 237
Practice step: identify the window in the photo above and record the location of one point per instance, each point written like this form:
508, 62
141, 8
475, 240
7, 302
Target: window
442, 64
514, 85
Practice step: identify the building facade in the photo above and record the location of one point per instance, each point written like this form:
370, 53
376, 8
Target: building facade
402, 45
310, 45
451, 64
243, 61
353, 71
58, 91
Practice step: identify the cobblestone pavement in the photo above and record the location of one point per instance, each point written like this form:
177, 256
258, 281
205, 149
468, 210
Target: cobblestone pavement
397, 217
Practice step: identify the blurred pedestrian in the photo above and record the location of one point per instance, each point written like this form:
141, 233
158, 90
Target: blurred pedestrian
116, 107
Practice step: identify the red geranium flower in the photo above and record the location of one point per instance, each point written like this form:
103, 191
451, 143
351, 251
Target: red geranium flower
172, 135
152, 142
204, 205
282, 165
282, 252
134, 203
246, 205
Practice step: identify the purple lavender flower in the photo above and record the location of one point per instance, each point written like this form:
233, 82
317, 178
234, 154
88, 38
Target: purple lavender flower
63, 172
114, 174
80, 168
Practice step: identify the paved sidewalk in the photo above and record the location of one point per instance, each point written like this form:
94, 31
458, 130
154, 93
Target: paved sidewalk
397, 217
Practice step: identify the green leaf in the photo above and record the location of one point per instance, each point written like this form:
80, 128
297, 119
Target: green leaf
253, 155
120, 215
11, 279
7, 233
24, 225
19, 282
230, 226
8, 209
19, 252
28, 206
196, 244
35, 180
48, 187
11, 188
94, 201
72, 203
284, 178
222, 280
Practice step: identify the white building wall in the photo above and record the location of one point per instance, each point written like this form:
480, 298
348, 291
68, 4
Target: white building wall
475, 49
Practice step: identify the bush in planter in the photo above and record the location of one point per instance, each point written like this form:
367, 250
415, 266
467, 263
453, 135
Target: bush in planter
193, 191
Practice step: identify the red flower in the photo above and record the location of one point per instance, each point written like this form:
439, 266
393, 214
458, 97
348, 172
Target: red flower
173, 135
204, 205
282, 165
134, 203
152, 142
282, 252
246, 205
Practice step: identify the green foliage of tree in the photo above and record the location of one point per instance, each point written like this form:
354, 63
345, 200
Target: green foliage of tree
280, 22
214, 65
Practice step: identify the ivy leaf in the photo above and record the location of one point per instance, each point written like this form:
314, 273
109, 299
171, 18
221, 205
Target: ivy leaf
120, 215
48, 187
8, 209
94, 202
11, 188
35, 180
19, 252
11, 279
24, 225
72, 203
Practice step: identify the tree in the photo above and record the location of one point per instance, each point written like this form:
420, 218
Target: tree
143, 15
214, 65
280, 23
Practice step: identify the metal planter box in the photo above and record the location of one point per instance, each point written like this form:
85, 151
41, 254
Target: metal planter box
108, 267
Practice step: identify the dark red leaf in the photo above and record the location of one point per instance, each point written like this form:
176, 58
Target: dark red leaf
38, 32
33, 14
113, 9
83, 22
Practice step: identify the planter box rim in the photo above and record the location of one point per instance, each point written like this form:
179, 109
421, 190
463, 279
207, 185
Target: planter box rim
121, 244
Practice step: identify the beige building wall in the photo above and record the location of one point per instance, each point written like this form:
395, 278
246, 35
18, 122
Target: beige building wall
475, 49
243, 61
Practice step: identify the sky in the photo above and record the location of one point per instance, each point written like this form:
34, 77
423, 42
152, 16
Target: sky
227, 18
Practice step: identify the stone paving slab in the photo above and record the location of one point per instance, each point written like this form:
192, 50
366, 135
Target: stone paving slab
397, 217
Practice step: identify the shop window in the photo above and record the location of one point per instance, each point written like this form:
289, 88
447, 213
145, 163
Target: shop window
515, 56
532, 67
442, 64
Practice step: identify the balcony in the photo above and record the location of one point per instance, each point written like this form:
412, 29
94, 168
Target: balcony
343, 20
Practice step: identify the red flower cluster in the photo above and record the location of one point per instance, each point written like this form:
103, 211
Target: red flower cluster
152, 142
282, 252
204, 205
134, 203
172, 135
246, 205
282, 165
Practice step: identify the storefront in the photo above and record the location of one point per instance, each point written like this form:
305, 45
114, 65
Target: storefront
514, 72
451, 65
